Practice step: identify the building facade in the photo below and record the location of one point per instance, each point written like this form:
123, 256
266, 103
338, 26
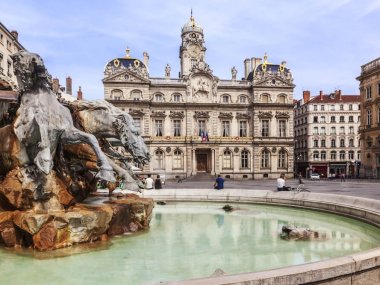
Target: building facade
326, 134
8, 85
370, 118
197, 122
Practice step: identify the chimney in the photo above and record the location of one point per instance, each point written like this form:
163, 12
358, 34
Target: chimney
69, 85
257, 61
306, 96
247, 65
321, 95
15, 35
146, 60
55, 85
338, 93
80, 94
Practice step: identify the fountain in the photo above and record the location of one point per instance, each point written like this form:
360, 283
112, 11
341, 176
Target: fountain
52, 156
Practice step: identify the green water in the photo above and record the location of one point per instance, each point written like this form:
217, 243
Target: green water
190, 240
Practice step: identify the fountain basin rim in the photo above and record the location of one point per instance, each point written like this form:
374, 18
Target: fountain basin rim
347, 269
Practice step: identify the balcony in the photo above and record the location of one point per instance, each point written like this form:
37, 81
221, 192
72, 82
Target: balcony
371, 66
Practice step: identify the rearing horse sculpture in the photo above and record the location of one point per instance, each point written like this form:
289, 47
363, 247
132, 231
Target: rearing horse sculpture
42, 122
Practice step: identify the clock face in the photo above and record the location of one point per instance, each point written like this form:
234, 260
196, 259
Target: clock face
194, 50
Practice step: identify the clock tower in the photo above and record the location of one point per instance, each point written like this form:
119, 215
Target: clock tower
192, 48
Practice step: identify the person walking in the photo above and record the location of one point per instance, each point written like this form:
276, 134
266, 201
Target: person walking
149, 182
158, 183
300, 181
219, 183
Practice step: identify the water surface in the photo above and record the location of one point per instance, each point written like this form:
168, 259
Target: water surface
191, 240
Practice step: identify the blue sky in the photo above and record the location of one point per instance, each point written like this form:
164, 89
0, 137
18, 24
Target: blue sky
323, 41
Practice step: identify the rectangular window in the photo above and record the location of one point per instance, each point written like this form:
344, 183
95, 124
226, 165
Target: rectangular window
333, 130
341, 130
351, 119
351, 155
315, 132
282, 128
341, 119
332, 119
177, 128
323, 119
315, 143
322, 107
323, 143
323, 155
368, 92
342, 143
315, 107
158, 124
201, 127
176, 98
265, 128
332, 107
369, 118
333, 155
351, 130
315, 119
378, 89
333, 143
225, 128
137, 123
342, 155
323, 130
243, 128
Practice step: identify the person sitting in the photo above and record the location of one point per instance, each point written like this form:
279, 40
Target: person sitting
149, 183
281, 183
219, 183
158, 183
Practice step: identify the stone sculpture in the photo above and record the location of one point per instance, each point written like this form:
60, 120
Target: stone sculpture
51, 158
295, 233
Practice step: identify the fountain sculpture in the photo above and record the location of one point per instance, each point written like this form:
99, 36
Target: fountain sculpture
51, 157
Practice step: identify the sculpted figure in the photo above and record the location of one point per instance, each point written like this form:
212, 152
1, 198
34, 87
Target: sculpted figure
42, 122
294, 233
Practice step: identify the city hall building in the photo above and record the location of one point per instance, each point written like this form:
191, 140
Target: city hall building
199, 123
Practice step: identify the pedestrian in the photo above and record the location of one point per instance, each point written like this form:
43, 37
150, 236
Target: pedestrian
300, 181
158, 183
219, 183
342, 177
281, 183
149, 183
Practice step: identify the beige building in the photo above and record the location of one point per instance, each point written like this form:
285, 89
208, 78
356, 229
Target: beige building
199, 123
370, 118
326, 134
8, 85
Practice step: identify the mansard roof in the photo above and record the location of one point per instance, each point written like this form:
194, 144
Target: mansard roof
335, 99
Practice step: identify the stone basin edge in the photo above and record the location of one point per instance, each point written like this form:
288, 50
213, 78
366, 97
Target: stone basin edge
355, 269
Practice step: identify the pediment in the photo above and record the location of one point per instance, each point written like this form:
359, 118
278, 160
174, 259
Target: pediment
125, 76
273, 80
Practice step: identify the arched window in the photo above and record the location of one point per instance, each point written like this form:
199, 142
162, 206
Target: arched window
227, 159
225, 99
136, 95
323, 155
244, 159
177, 159
159, 159
342, 155
265, 98
333, 155
281, 99
177, 97
265, 159
159, 97
243, 99
316, 155
282, 159
116, 94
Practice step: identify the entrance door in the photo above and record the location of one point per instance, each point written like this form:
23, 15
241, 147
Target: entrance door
201, 162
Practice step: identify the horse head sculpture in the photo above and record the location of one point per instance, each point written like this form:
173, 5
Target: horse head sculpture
102, 119
42, 122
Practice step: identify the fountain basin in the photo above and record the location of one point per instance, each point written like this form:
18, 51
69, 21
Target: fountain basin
355, 269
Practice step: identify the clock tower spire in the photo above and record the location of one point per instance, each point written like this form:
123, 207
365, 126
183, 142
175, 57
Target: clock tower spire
192, 48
